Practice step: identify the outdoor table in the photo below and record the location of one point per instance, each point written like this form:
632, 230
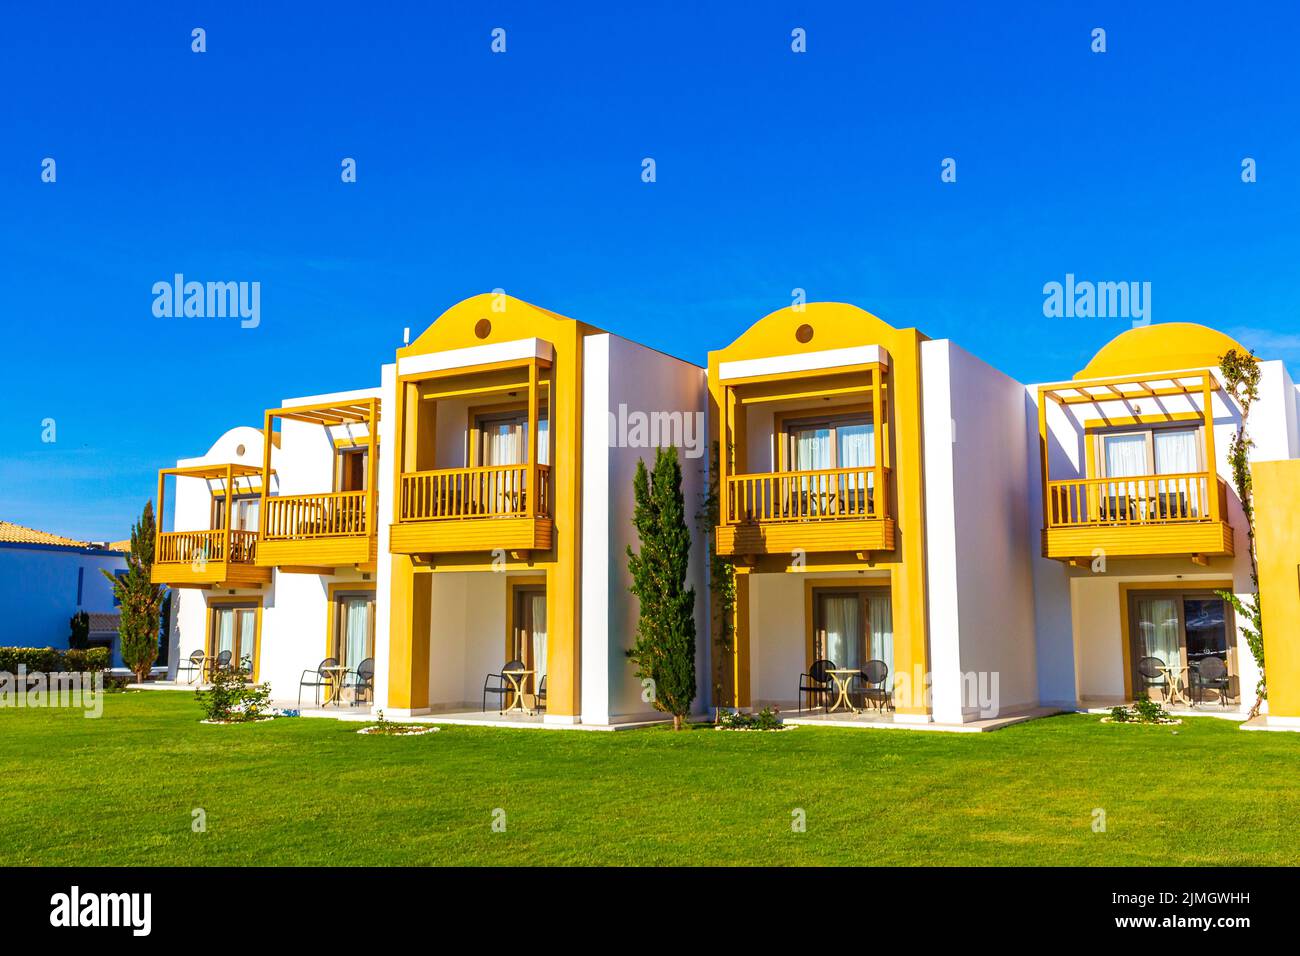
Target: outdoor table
842, 676
517, 678
1175, 684
336, 674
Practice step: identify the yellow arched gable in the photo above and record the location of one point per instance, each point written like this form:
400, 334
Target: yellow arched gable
833, 325
1169, 347
486, 320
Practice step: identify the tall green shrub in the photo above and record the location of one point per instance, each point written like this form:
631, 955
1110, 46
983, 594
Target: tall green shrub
140, 599
665, 644
79, 630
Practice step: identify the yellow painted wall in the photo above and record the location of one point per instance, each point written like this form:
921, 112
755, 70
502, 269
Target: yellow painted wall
1276, 491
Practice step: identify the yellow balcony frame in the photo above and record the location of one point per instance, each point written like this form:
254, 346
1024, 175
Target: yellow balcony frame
214, 557
1145, 516
318, 534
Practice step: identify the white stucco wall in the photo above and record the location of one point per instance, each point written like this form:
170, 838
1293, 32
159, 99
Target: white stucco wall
38, 592
617, 372
979, 575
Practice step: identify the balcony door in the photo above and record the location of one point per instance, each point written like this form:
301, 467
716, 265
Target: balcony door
839, 443
351, 469
1181, 629
852, 626
1152, 452
243, 512
233, 628
501, 438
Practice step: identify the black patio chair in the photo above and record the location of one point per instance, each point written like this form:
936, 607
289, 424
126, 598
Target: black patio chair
363, 681
192, 665
1210, 674
1151, 670
500, 685
871, 685
317, 678
816, 683
218, 664
540, 696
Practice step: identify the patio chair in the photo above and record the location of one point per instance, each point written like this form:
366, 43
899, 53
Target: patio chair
871, 680
192, 665
317, 678
539, 699
219, 663
1210, 674
816, 683
500, 685
1151, 670
363, 681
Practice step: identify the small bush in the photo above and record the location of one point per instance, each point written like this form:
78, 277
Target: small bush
232, 699
765, 719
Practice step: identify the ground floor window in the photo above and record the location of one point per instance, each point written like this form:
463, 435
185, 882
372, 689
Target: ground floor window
1182, 629
852, 626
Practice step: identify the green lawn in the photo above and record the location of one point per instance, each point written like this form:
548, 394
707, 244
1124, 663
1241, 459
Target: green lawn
121, 790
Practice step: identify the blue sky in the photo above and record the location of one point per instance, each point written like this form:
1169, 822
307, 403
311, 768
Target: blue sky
522, 170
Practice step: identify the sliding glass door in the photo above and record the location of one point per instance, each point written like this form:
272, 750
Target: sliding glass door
234, 629
852, 626
1181, 629
354, 628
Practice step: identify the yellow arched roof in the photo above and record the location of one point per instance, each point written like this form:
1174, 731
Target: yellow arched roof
506, 318
1168, 347
833, 325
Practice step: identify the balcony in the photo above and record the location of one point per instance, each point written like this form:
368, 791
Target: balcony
324, 531
216, 558
319, 533
474, 509
1148, 516
1136, 501
219, 557
834, 509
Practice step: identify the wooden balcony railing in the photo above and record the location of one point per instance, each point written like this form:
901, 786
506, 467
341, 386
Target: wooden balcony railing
304, 517
822, 495
1138, 502
200, 547
495, 491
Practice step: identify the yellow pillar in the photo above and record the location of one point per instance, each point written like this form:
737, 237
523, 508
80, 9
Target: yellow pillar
409, 628
1276, 489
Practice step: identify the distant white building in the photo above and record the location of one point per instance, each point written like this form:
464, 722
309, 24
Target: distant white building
46, 578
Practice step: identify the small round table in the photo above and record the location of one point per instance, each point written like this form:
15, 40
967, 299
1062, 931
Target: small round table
517, 678
843, 676
336, 674
1175, 684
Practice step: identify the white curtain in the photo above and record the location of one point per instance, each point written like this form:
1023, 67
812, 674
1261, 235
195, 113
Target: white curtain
537, 614
247, 639
812, 449
249, 509
1157, 625
842, 621
882, 633
356, 621
543, 441
503, 444
225, 630
857, 449
1126, 456
1175, 452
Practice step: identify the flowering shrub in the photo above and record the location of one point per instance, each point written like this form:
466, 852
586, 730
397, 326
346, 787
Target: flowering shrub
765, 719
233, 700
1144, 711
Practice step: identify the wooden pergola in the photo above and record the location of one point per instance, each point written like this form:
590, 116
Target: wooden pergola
226, 473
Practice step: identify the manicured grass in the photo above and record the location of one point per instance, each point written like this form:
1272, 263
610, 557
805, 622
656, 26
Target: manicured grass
121, 790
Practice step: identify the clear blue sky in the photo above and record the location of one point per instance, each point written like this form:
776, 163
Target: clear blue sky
522, 171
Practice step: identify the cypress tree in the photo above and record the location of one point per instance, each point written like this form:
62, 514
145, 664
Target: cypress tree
664, 652
140, 599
